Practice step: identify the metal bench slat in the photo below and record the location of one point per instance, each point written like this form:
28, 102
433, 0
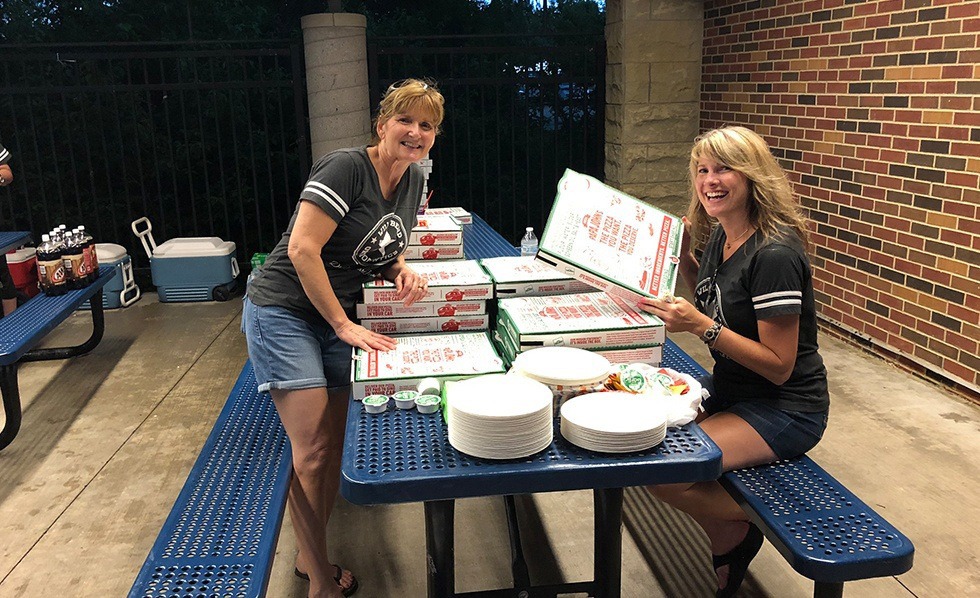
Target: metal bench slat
221, 535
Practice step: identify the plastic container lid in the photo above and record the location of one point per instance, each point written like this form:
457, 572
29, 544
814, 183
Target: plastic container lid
21, 255
109, 252
565, 366
193, 247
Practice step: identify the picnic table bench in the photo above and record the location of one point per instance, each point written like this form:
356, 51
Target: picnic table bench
220, 537
22, 330
821, 528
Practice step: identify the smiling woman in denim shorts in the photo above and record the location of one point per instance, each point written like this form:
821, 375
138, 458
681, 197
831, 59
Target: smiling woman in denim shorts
754, 308
350, 226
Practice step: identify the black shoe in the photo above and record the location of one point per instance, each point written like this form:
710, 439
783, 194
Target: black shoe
738, 560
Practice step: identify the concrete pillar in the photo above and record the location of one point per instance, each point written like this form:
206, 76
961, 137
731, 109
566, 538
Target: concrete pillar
336, 81
653, 80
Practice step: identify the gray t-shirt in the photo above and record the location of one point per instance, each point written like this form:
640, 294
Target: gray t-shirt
371, 232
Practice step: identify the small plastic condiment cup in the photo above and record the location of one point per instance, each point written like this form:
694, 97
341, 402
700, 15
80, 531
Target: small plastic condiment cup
428, 403
429, 386
375, 403
405, 399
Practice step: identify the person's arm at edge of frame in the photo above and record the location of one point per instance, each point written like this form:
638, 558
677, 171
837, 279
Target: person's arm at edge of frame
6, 175
311, 231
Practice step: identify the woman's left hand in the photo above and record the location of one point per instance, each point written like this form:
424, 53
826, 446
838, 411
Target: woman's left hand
678, 314
410, 286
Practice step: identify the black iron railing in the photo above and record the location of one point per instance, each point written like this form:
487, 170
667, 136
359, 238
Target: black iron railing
519, 110
205, 139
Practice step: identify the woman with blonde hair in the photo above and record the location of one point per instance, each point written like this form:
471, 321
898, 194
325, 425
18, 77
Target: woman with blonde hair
754, 308
350, 226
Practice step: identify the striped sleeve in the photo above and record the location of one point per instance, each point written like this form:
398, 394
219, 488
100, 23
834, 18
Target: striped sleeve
779, 274
4, 155
331, 185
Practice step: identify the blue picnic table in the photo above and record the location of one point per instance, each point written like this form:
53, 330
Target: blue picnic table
22, 330
404, 456
12, 240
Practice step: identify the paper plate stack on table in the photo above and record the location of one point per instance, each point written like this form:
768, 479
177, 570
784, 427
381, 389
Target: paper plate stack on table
613, 422
499, 416
566, 371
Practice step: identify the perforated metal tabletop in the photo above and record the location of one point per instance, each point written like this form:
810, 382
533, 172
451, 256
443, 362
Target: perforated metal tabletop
13, 239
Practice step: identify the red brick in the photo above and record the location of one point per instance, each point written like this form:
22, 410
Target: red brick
954, 133
908, 267
901, 344
961, 371
963, 314
928, 43
961, 238
960, 209
928, 355
941, 87
959, 11
957, 71
936, 276
925, 102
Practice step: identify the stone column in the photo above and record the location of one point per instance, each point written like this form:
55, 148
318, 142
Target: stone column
653, 80
336, 81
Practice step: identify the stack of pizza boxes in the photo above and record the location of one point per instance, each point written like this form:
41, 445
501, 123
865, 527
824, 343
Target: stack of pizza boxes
459, 214
621, 246
437, 237
596, 321
458, 291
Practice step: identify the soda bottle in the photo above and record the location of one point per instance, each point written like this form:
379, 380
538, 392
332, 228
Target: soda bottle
50, 267
91, 257
74, 259
529, 244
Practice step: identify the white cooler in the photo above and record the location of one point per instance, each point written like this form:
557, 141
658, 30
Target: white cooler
121, 290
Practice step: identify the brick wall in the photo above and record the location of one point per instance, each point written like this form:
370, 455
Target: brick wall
873, 107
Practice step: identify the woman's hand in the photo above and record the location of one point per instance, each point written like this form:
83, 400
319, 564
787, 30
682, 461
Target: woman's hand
358, 336
678, 314
410, 286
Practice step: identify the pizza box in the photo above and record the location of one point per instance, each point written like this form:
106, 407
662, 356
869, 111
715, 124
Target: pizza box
422, 309
432, 324
453, 280
581, 320
441, 356
434, 252
517, 276
611, 240
459, 214
652, 354
439, 229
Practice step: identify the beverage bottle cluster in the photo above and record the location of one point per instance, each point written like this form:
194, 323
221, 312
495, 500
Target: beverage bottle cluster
66, 260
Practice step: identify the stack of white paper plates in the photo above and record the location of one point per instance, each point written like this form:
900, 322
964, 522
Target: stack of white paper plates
499, 417
566, 366
613, 422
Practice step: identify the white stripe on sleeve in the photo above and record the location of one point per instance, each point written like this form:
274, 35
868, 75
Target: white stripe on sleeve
776, 299
333, 199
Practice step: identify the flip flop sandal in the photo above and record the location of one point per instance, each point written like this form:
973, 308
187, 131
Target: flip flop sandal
738, 560
353, 585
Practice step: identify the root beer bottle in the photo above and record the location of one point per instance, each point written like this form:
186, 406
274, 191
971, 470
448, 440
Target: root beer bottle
50, 267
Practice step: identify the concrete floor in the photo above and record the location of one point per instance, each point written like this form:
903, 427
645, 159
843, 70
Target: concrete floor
107, 441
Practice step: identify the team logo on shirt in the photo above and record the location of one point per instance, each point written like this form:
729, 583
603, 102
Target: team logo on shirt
386, 241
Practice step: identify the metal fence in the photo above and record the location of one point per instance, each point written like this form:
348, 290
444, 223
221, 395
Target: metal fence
205, 139
520, 109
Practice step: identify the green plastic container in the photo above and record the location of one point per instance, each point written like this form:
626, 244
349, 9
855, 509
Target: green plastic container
258, 259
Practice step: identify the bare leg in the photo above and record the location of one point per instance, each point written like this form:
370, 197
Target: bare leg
335, 424
9, 305
707, 502
305, 414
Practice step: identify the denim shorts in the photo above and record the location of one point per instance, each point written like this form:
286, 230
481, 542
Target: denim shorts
788, 433
289, 353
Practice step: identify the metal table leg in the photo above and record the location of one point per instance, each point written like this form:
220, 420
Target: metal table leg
11, 404
98, 329
439, 548
608, 541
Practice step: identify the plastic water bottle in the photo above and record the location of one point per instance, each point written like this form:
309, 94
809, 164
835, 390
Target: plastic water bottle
529, 243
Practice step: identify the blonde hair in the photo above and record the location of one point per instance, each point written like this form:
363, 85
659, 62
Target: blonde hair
771, 202
417, 96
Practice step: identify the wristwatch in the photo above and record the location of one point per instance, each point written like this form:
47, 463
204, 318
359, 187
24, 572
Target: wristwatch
711, 334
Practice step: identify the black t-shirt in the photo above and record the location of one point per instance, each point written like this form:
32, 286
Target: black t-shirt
371, 232
763, 279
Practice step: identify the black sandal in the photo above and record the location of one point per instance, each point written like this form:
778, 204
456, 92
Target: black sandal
738, 560
353, 586
340, 574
